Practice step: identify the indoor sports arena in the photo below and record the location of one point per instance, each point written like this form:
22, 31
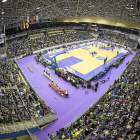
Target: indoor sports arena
69, 70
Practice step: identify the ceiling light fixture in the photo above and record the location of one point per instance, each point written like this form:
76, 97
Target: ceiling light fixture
129, 6
2, 12
4, 0
38, 8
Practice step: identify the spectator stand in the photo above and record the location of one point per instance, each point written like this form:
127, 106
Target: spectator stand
50, 117
27, 124
72, 43
45, 119
19, 123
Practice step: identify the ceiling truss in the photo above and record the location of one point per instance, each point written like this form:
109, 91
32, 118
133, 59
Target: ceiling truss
16, 10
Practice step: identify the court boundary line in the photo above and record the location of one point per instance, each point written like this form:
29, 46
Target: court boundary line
86, 76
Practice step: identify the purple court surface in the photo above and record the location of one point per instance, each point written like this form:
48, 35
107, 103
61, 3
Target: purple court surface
69, 61
66, 108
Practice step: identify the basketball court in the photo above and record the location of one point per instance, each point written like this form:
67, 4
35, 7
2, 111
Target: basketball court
83, 63
67, 109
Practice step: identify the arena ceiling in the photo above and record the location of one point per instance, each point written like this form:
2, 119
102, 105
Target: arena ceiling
13, 11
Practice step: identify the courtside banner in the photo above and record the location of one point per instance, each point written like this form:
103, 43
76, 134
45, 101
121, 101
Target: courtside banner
37, 17
21, 24
32, 19
24, 23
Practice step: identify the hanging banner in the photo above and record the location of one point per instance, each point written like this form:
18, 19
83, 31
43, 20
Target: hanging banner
28, 21
17, 26
32, 19
37, 17
23, 23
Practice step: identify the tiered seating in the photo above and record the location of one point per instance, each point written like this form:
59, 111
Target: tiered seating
120, 39
39, 43
69, 37
26, 47
19, 48
41, 59
116, 114
20, 107
131, 43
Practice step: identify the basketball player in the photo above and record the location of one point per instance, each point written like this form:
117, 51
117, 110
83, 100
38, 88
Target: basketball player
106, 57
112, 49
104, 61
117, 52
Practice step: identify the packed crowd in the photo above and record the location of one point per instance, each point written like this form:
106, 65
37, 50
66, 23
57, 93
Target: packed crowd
129, 43
69, 37
120, 39
18, 101
27, 46
116, 116
23, 48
